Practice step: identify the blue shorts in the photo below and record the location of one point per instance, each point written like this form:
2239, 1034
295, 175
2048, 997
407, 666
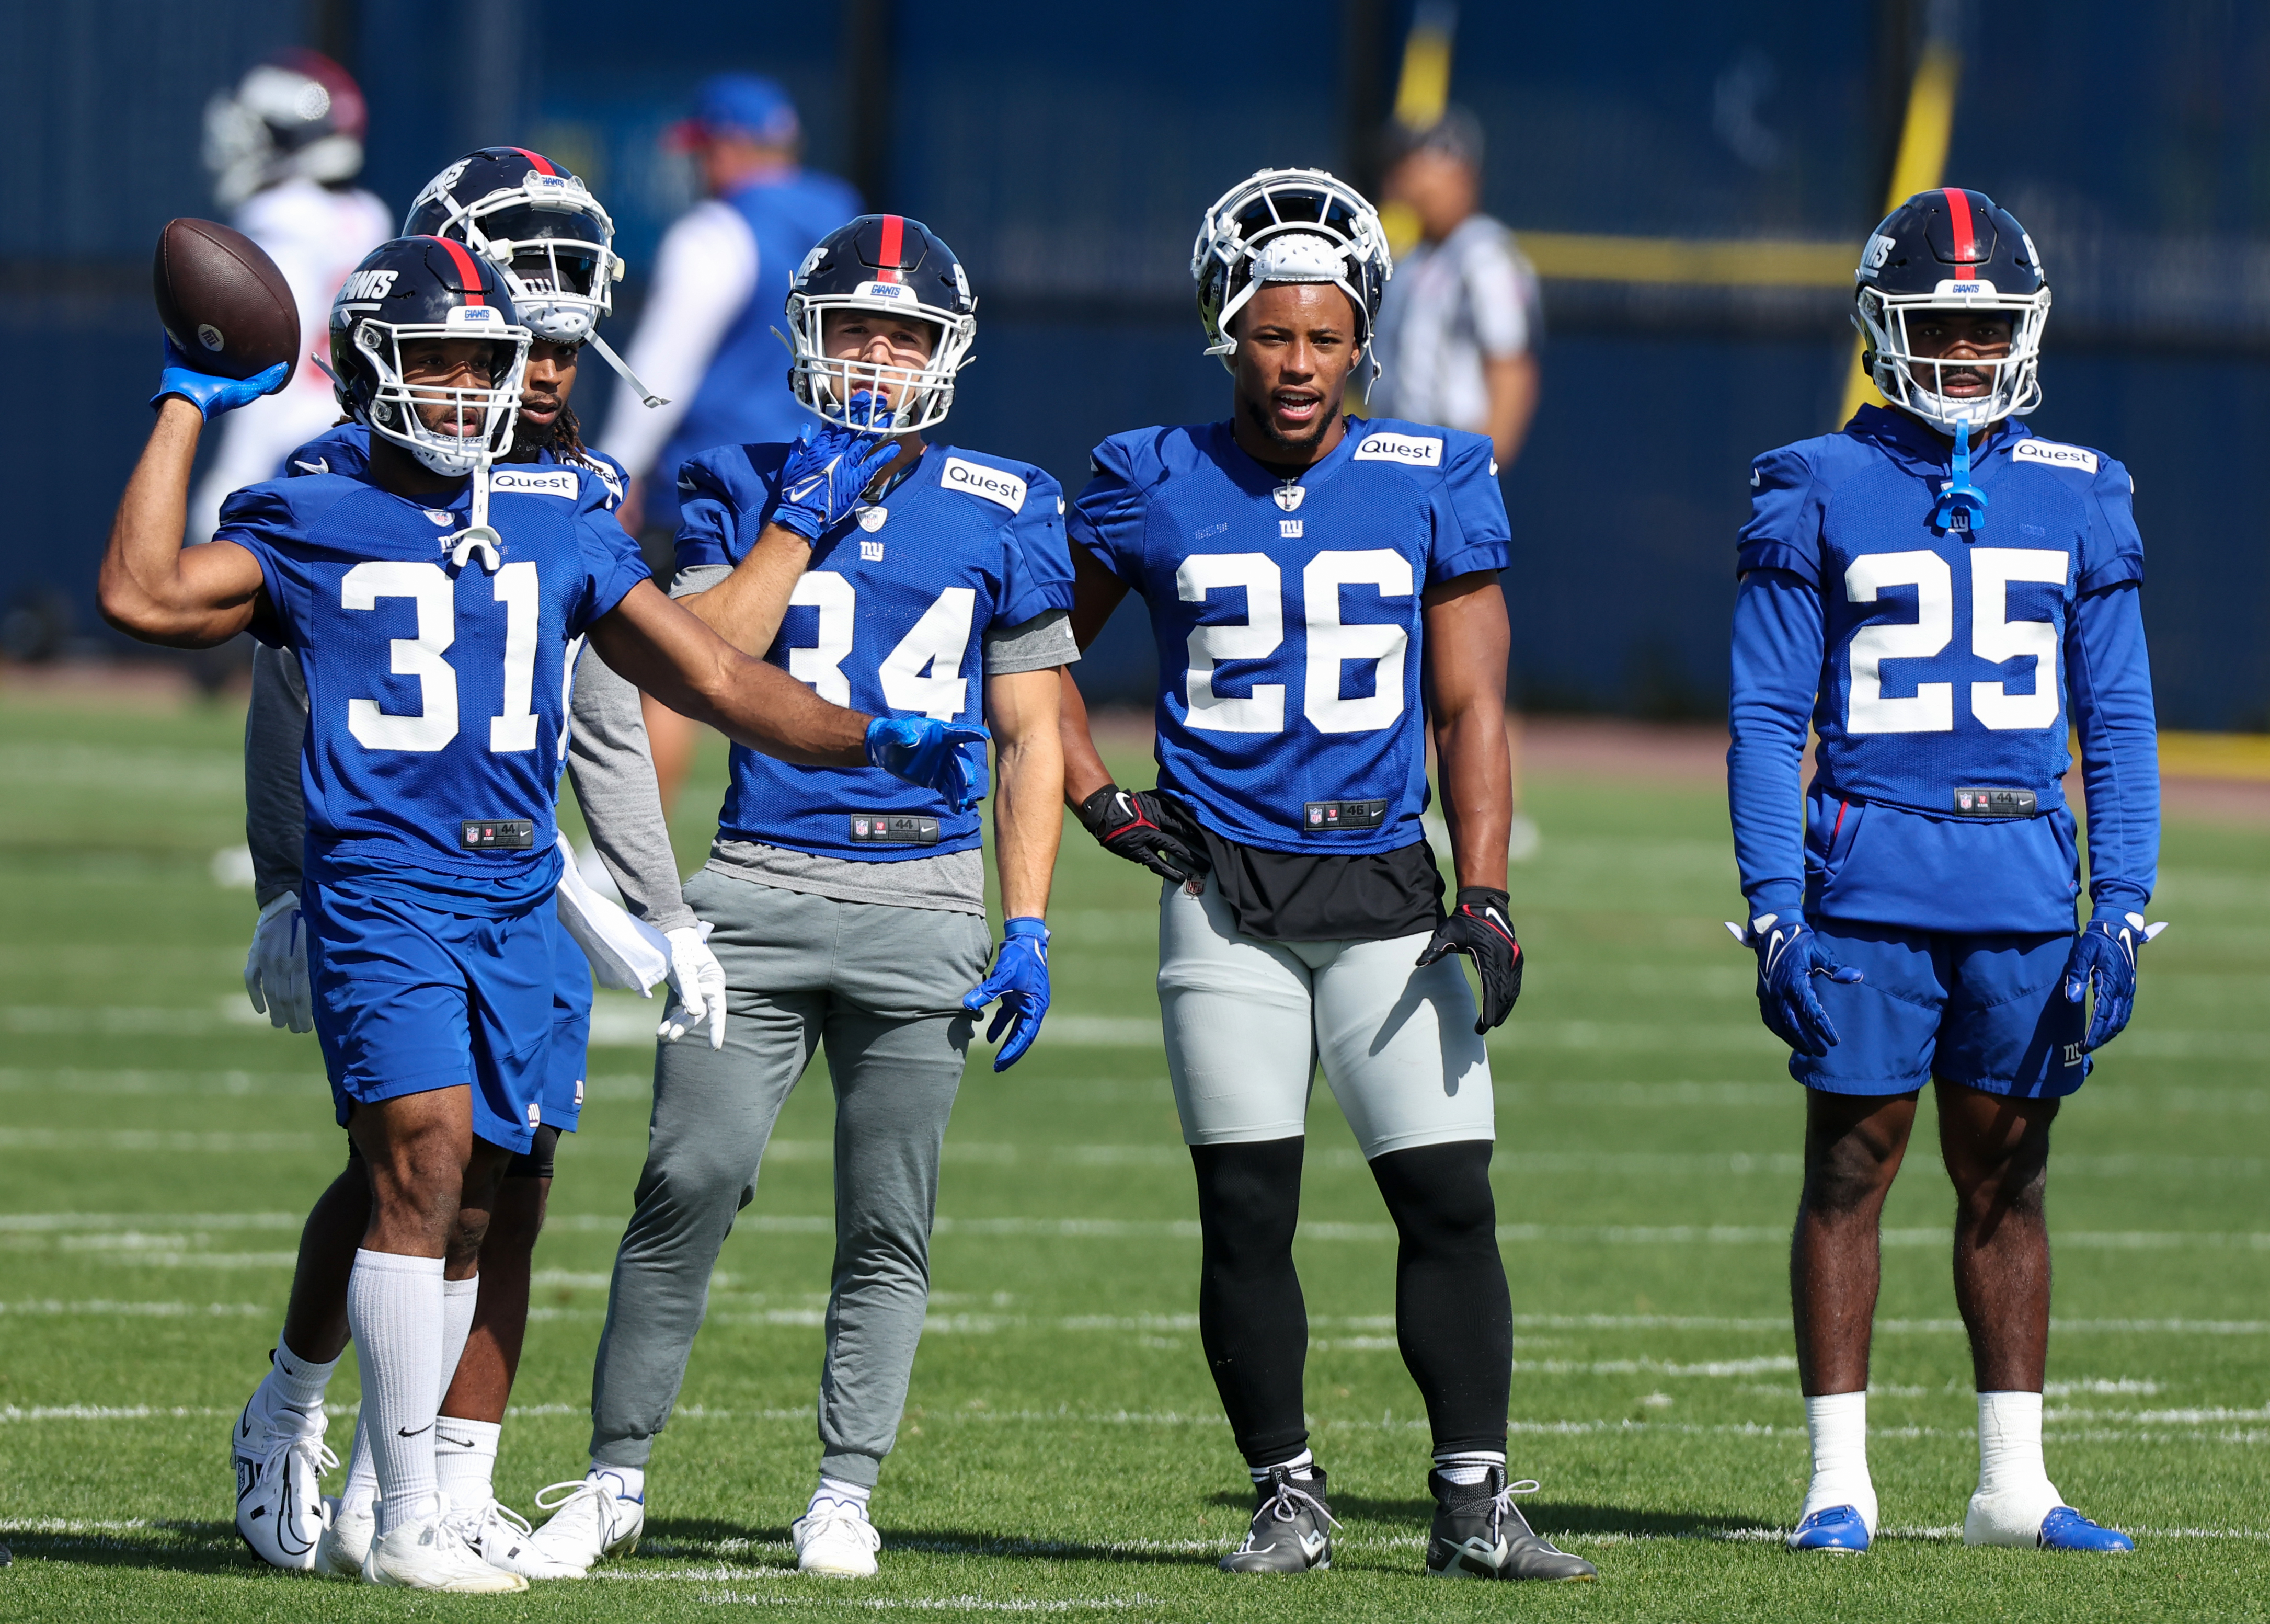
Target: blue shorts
571, 1028
410, 999
1988, 1011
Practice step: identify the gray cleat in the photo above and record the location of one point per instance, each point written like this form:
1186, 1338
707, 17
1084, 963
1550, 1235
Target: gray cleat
1480, 1534
1292, 1528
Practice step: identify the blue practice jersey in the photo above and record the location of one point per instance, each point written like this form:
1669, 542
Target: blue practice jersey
1291, 710
437, 692
1943, 672
891, 618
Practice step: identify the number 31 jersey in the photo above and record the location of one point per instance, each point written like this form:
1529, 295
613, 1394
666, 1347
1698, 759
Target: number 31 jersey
1288, 618
890, 618
1944, 663
436, 690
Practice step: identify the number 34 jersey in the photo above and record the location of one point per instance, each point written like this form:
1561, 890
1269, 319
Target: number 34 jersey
1288, 615
436, 689
890, 618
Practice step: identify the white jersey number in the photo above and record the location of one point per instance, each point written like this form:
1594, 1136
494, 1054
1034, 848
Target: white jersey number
434, 723
1993, 636
922, 673
1331, 644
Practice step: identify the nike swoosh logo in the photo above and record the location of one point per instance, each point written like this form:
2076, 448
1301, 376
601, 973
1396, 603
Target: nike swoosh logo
455, 1443
404, 1432
1311, 1544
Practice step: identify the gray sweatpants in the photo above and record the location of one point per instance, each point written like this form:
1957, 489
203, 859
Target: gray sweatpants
881, 988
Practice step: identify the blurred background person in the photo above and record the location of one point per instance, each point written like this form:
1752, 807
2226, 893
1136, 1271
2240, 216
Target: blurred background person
705, 343
284, 148
1460, 323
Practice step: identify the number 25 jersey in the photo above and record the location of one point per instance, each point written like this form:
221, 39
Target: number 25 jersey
1288, 617
436, 690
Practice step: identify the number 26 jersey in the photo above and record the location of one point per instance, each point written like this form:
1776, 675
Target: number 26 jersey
436, 689
1288, 617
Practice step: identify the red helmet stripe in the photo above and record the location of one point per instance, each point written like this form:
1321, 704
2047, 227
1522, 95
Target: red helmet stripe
1966, 238
469, 273
537, 161
894, 242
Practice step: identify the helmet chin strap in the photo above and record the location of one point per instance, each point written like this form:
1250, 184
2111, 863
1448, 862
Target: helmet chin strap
1963, 506
616, 361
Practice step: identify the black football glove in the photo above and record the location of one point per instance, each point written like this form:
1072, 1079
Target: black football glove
1478, 925
1131, 824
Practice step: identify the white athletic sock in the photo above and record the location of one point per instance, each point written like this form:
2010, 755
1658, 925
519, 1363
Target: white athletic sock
1838, 1424
626, 1482
1302, 1465
2010, 1449
458, 1300
1467, 1467
296, 1383
837, 1491
394, 1307
361, 1492
464, 1461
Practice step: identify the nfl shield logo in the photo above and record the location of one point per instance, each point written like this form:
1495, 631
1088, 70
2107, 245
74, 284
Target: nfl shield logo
1288, 496
872, 519
858, 825
1316, 814
1962, 800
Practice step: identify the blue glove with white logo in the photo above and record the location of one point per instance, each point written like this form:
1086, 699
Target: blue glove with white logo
2104, 956
925, 751
212, 395
1021, 980
830, 467
1790, 955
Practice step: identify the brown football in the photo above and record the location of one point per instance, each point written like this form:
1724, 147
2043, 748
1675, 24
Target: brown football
223, 301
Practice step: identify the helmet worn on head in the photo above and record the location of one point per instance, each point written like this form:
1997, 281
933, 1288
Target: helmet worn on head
1287, 225
1950, 249
880, 262
537, 224
416, 288
297, 114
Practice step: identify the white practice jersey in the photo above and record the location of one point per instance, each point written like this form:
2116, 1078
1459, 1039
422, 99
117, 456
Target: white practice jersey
1450, 307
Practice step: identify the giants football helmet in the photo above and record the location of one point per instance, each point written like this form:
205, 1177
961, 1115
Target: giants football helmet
428, 287
1944, 250
297, 114
880, 262
539, 224
1288, 226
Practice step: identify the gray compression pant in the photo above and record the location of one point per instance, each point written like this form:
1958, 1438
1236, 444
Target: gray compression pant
880, 988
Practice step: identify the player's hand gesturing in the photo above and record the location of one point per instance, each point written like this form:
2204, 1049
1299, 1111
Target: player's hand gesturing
1133, 825
830, 468
1020, 979
1478, 927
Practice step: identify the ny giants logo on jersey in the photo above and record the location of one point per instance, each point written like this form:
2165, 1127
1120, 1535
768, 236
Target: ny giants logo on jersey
366, 285
990, 483
1406, 448
2078, 457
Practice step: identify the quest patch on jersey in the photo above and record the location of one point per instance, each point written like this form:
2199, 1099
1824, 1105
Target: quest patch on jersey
1332, 817
1996, 803
2080, 458
990, 483
1410, 450
894, 829
496, 834
533, 482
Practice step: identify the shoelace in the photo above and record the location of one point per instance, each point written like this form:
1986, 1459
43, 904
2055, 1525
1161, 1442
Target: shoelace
573, 1490
468, 1520
1286, 1504
852, 1516
1501, 1504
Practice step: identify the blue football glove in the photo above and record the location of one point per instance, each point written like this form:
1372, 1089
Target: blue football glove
1021, 980
2105, 955
831, 465
1790, 955
925, 751
212, 395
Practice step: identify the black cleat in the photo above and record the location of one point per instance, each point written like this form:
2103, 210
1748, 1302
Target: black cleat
1292, 1528
1480, 1534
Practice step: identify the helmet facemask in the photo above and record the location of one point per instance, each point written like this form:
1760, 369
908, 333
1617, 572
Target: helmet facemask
398, 408
555, 249
825, 385
1913, 382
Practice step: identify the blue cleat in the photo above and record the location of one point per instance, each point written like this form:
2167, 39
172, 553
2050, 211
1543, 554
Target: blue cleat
1842, 1527
2065, 1529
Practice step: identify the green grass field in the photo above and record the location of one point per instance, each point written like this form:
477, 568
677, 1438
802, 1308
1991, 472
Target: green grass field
1063, 1452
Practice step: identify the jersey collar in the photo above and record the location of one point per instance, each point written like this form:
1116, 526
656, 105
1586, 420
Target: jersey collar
1249, 475
1916, 448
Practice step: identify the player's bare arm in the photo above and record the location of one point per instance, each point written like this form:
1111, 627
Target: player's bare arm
1022, 709
1468, 641
1095, 593
151, 588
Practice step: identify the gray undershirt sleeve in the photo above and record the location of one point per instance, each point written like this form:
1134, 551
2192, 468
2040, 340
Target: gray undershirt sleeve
1033, 645
275, 733
614, 770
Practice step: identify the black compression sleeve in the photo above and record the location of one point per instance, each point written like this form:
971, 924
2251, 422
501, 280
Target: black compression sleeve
1453, 1314
1251, 1317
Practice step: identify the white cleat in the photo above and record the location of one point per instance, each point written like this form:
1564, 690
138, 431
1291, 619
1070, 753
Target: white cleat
433, 1556
347, 1534
280, 1460
837, 1542
502, 1537
590, 1523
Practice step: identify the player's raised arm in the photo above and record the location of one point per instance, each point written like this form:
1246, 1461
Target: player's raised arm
151, 588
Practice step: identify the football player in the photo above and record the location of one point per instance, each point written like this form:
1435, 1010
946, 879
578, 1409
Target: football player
1324, 595
552, 243
426, 597
1943, 596
849, 910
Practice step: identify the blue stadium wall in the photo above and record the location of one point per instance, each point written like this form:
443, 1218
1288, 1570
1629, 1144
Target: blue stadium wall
1067, 152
